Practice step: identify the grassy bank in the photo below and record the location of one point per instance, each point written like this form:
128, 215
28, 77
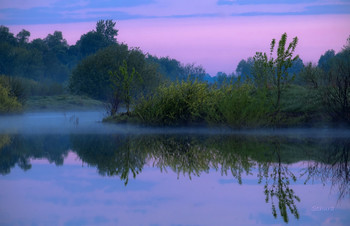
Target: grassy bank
61, 102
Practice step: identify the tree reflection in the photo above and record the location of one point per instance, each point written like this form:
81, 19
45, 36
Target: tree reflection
19, 150
277, 179
125, 156
112, 155
333, 167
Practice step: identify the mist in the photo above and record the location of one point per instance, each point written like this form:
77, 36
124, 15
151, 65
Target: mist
90, 122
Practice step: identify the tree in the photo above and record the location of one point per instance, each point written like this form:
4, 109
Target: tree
325, 60
245, 67
106, 28
221, 79
171, 69
23, 36
122, 84
193, 72
7, 36
91, 75
337, 92
277, 68
311, 76
8, 103
104, 35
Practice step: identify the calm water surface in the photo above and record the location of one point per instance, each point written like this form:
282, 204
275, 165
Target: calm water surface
70, 169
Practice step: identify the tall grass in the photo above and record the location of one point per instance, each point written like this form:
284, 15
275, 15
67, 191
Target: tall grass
182, 103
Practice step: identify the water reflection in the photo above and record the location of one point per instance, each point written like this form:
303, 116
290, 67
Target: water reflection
125, 156
332, 167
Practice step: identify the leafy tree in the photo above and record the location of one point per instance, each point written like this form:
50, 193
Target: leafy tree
8, 103
192, 72
122, 85
337, 93
103, 36
325, 60
106, 28
297, 67
311, 76
277, 68
245, 67
91, 76
222, 79
7, 36
23, 36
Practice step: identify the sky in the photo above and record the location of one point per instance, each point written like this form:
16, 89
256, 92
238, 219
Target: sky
216, 34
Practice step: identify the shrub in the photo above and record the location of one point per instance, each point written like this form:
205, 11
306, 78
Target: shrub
179, 103
8, 103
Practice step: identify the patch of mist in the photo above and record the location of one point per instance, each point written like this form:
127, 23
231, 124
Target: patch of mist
90, 122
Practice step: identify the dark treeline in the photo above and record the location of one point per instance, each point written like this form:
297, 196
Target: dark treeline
50, 66
268, 158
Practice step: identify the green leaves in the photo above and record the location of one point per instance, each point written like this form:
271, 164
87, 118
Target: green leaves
276, 69
123, 83
8, 103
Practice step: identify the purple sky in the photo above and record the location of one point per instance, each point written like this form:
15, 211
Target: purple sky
214, 33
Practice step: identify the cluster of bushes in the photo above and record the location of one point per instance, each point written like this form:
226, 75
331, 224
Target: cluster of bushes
188, 102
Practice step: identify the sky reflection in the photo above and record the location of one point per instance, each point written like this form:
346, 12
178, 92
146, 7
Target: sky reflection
73, 194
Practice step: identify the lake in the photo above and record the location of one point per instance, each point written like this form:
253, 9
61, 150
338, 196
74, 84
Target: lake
68, 168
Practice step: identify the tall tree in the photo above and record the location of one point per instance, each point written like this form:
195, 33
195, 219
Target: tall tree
325, 60
278, 67
122, 84
245, 67
103, 36
23, 36
106, 28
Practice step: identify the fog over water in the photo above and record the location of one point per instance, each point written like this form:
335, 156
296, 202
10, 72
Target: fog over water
90, 122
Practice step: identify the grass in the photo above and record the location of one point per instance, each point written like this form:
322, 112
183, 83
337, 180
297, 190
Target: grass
61, 102
236, 106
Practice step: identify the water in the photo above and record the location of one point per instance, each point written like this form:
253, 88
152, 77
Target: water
57, 170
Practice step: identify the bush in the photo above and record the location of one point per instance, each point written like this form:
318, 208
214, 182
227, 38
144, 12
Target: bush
8, 103
179, 103
195, 102
245, 106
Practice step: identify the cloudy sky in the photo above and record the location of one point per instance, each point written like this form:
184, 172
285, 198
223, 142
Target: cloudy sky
214, 33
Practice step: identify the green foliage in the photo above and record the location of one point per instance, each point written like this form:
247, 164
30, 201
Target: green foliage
276, 70
61, 103
50, 59
41, 60
102, 37
122, 84
337, 91
91, 76
244, 67
173, 70
196, 102
324, 62
245, 106
179, 103
8, 103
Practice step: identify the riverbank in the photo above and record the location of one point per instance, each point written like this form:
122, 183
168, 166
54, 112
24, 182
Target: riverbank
61, 103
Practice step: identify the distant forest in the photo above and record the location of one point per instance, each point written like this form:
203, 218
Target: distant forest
52, 60
100, 67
